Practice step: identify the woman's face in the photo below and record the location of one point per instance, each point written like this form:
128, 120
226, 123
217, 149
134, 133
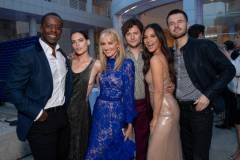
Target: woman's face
79, 44
151, 41
109, 46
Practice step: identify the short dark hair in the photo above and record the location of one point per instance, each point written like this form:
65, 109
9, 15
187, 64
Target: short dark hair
176, 11
229, 45
130, 23
85, 35
50, 14
195, 30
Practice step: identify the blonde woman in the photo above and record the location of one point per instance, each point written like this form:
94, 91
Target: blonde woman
114, 109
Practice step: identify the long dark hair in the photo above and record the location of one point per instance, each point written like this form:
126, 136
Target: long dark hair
84, 34
164, 48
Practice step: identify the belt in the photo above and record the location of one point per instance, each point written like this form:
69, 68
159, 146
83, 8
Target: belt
109, 98
140, 100
54, 109
187, 105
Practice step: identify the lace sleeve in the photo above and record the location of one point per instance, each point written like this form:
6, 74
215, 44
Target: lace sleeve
128, 91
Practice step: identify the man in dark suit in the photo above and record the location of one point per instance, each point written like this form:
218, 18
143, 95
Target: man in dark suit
39, 85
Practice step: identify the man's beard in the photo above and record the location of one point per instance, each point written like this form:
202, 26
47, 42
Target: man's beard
179, 36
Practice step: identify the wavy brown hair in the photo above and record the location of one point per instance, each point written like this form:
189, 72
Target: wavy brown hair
164, 48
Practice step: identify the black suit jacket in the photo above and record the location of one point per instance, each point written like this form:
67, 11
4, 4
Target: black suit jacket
208, 68
30, 85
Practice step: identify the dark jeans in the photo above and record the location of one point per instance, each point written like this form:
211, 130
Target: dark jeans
49, 140
231, 113
228, 98
196, 131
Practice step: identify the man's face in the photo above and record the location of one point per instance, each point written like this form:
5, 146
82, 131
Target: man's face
133, 37
177, 25
51, 30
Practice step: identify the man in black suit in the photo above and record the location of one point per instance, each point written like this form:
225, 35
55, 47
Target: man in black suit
39, 85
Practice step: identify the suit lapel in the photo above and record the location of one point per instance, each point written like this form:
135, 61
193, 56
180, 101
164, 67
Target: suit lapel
45, 63
67, 60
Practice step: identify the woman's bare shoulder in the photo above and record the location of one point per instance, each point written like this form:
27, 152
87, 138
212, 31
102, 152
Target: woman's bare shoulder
155, 61
97, 65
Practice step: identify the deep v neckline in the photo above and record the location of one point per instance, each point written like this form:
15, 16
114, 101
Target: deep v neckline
89, 64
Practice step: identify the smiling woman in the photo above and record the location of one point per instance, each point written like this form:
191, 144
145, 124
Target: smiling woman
164, 141
114, 109
109, 47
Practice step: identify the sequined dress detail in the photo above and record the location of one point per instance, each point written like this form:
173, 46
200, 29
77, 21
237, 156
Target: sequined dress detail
164, 142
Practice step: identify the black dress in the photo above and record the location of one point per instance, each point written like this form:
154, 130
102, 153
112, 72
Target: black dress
79, 114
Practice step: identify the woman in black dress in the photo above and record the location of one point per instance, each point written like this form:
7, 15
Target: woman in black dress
79, 113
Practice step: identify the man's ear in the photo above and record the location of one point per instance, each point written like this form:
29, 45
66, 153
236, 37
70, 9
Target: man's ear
88, 42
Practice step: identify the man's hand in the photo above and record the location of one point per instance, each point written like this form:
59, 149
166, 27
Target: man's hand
201, 103
43, 117
170, 88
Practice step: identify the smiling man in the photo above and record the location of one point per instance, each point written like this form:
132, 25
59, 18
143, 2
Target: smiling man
202, 72
132, 32
39, 86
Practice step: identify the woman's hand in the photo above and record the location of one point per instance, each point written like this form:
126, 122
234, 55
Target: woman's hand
128, 132
153, 124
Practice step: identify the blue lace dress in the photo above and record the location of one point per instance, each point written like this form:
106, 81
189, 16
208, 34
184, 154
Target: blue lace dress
113, 109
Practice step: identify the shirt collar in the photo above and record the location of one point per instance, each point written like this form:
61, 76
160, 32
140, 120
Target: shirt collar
46, 47
128, 51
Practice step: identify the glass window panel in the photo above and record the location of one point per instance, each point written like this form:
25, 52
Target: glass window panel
222, 19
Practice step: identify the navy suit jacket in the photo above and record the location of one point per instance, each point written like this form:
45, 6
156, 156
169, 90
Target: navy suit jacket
30, 85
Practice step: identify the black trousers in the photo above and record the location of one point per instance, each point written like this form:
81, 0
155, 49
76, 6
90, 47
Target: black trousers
196, 131
49, 140
231, 112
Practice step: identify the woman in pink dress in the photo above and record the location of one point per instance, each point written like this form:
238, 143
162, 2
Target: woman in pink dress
164, 142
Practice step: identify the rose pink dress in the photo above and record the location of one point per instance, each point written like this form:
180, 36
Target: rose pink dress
164, 142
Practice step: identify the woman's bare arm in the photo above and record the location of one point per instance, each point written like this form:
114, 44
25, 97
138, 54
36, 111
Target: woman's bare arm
96, 70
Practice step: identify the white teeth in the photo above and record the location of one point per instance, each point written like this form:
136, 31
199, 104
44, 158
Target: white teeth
52, 36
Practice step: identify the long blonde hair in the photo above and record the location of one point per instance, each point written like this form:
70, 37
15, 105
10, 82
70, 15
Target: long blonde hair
112, 33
